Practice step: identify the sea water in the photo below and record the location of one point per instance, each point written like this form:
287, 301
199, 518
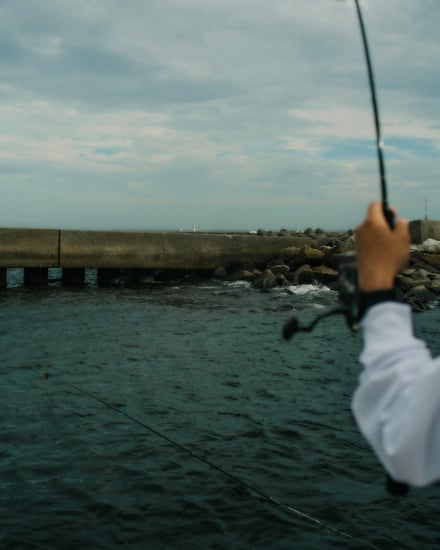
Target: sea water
175, 416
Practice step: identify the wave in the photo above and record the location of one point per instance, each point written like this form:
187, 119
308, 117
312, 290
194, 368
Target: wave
309, 289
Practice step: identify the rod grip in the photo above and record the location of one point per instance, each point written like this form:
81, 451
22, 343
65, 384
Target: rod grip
389, 216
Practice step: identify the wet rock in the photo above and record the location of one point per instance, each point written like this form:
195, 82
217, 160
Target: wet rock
274, 261
246, 264
305, 276
419, 297
266, 280
431, 260
282, 280
317, 257
332, 256
419, 276
435, 286
325, 274
279, 269
293, 276
404, 282
220, 273
241, 275
288, 253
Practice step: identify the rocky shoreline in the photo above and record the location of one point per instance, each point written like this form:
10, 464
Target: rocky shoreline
316, 260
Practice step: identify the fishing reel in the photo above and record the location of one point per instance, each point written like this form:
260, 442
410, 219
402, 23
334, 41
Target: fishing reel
348, 296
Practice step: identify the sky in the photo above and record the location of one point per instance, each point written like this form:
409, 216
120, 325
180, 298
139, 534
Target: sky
223, 114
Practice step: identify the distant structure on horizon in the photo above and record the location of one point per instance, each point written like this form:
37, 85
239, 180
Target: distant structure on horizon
421, 230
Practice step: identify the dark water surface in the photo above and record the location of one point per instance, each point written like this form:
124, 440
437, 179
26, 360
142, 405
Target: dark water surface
205, 366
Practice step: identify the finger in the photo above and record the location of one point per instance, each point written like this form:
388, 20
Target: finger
374, 210
402, 224
375, 215
393, 211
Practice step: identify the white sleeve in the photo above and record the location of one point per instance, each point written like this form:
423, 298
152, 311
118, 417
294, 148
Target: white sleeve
397, 402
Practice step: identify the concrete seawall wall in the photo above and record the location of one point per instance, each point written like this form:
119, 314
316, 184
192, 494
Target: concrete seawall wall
198, 251
43, 248
29, 247
421, 230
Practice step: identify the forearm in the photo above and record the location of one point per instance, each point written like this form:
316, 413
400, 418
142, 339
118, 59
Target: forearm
397, 403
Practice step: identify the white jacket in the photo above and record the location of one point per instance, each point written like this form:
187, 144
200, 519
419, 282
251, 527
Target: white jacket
397, 402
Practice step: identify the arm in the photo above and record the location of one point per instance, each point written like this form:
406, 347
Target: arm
397, 402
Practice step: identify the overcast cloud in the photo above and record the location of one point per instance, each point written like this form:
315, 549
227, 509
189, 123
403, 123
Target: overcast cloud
227, 114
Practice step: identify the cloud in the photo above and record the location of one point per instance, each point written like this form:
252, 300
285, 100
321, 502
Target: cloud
240, 114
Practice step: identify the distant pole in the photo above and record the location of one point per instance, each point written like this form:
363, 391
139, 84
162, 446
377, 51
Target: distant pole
426, 208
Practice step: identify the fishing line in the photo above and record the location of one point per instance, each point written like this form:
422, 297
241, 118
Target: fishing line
262, 494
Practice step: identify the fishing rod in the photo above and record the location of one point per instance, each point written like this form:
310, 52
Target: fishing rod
379, 143
348, 291
238, 480
347, 282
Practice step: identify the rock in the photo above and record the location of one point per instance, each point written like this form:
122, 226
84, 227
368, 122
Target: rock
266, 280
220, 272
279, 269
274, 261
282, 280
325, 274
332, 256
326, 241
293, 276
431, 246
246, 264
306, 278
419, 296
317, 257
420, 276
432, 260
404, 283
288, 253
348, 237
306, 255
435, 286
241, 275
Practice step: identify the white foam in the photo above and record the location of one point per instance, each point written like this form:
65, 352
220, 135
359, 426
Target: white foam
308, 289
238, 284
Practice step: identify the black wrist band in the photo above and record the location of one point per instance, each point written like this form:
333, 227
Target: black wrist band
369, 299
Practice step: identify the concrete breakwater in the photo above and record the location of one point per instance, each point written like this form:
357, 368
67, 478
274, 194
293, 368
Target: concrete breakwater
146, 254
266, 260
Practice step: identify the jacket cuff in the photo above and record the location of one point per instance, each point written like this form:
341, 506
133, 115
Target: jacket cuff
369, 299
